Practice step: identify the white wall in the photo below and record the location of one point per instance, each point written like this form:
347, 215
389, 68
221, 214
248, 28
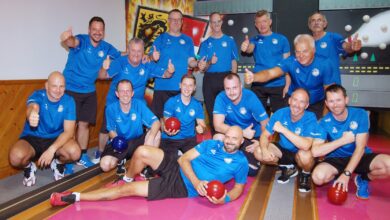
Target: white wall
30, 30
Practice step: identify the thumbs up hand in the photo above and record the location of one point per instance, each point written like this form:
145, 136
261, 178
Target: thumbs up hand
245, 44
214, 59
107, 63
155, 54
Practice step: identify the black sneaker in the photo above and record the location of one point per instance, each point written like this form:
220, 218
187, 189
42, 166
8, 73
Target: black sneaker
287, 173
304, 182
120, 168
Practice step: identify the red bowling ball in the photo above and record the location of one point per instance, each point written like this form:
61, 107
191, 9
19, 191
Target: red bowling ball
337, 196
172, 124
215, 188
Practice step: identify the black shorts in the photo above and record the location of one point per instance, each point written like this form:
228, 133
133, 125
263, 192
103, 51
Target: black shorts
159, 99
340, 163
317, 108
86, 106
172, 145
132, 145
253, 163
170, 183
103, 128
288, 157
275, 95
40, 145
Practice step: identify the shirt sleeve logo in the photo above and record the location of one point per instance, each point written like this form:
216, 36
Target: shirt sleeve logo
182, 41
192, 112
141, 72
275, 41
133, 117
101, 53
224, 44
60, 108
323, 45
243, 110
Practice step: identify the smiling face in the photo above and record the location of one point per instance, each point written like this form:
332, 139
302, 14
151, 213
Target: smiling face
96, 31
216, 23
233, 139
124, 92
263, 24
337, 102
175, 21
55, 86
187, 87
136, 51
299, 101
304, 52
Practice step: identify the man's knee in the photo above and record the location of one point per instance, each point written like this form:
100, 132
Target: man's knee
320, 177
18, 158
305, 157
108, 163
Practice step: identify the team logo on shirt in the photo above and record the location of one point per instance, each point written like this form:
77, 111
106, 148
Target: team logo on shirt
243, 110
315, 72
46, 106
101, 53
298, 131
178, 109
327, 120
192, 112
182, 42
323, 45
126, 70
141, 72
260, 41
224, 44
60, 108
89, 50
229, 109
334, 130
213, 151
297, 70
133, 117
169, 41
210, 45
285, 123
228, 160
118, 119
353, 125
275, 41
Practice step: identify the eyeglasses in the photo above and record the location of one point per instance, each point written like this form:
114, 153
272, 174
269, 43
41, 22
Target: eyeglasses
216, 22
175, 20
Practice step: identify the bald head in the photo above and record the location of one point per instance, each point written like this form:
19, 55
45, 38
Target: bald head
55, 86
233, 139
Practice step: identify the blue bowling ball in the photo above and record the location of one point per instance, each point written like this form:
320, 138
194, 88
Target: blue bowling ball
119, 144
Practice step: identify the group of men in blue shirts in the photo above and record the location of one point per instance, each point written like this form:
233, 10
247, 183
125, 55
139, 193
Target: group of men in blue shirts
238, 116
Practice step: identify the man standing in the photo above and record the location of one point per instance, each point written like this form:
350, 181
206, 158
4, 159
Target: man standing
218, 58
189, 112
240, 107
86, 56
48, 132
296, 128
174, 47
126, 118
307, 70
183, 177
268, 50
331, 45
346, 131
131, 68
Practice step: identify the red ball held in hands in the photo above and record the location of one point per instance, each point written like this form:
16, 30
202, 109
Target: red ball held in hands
337, 196
172, 124
215, 188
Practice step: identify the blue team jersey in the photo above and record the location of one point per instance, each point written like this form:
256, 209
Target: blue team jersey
313, 77
84, 63
138, 75
187, 115
305, 127
214, 163
248, 111
129, 125
357, 121
224, 48
179, 50
268, 52
51, 115
331, 46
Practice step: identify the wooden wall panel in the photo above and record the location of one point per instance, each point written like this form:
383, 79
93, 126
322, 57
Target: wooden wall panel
13, 96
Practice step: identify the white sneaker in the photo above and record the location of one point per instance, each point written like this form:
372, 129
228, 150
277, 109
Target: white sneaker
29, 175
58, 169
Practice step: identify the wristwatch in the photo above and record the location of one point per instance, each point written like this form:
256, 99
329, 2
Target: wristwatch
347, 173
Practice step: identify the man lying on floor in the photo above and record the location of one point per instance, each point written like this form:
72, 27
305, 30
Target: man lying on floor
186, 176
